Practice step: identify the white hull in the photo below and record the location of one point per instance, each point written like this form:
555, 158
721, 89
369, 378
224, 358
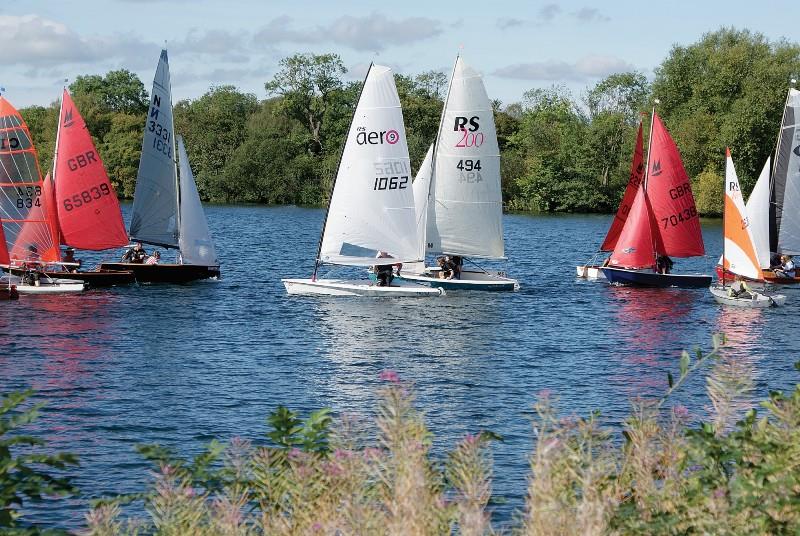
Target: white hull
52, 286
342, 287
589, 272
756, 301
469, 280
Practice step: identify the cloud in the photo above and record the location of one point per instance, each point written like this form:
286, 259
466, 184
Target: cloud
506, 23
586, 68
222, 44
549, 11
373, 32
590, 14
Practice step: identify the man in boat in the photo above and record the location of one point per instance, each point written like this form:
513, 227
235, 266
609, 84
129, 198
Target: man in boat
136, 255
32, 265
663, 264
71, 264
458, 262
384, 273
787, 267
740, 289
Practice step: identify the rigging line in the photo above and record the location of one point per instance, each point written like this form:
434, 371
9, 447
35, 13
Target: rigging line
481, 268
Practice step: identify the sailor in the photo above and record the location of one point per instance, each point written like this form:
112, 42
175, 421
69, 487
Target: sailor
69, 257
154, 258
383, 272
663, 264
458, 262
740, 289
136, 255
787, 268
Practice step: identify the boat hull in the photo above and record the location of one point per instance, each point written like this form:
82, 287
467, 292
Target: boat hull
590, 271
9, 293
164, 273
342, 287
95, 279
755, 301
470, 280
634, 278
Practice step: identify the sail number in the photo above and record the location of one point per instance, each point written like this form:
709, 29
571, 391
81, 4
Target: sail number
29, 192
87, 196
391, 183
468, 165
470, 171
391, 175
162, 140
685, 215
470, 139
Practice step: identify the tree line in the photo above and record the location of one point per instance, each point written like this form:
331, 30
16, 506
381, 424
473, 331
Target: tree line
559, 152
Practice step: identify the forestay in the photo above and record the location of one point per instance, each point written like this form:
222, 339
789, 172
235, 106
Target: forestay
195, 239
155, 200
758, 208
372, 203
466, 215
786, 178
739, 252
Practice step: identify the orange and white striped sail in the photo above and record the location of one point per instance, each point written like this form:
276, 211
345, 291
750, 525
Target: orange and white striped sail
740, 256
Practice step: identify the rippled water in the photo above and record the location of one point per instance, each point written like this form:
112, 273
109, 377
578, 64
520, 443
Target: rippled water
179, 365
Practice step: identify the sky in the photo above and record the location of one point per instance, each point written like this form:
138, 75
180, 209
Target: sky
517, 45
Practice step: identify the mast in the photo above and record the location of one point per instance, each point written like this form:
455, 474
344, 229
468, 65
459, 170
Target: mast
773, 204
724, 199
58, 136
649, 151
336, 175
173, 146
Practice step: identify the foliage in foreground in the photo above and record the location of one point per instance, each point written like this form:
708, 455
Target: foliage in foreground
664, 476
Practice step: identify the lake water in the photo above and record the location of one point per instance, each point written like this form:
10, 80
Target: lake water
180, 365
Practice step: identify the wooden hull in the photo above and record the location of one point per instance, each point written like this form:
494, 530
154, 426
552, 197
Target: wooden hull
634, 278
756, 300
470, 280
590, 271
341, 287
769, 277
164, 273
95, 279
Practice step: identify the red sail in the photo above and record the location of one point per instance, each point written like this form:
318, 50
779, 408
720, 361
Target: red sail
637, 243
49, 198
88, 209
4, 258
637, 173
22, 206
670, 194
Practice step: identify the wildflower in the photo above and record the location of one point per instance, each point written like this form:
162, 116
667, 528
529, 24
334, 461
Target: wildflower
372, 452
544, 394
681, 412
389, 376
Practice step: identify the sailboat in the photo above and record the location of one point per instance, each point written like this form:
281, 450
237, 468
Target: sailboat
592, 271
457, 190
370, 216
26, 211
739, 247
167, 211
663, 221
81, 203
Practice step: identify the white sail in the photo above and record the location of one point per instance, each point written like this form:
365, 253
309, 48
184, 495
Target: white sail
758, 213
155, 200
195, 239
372, 204
786, 178
467, 208
422, 186
739, 252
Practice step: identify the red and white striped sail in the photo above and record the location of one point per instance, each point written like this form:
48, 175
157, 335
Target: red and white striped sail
740, 256
635, 180
88, 209
22, 203
670, 192
638, 242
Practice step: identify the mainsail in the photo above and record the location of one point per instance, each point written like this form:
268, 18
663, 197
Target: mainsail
22, 205
670, 193
758, 209
739, 252
466, 204
195, 239
786, 180
155, 200
372, 204
88, 210
634, 181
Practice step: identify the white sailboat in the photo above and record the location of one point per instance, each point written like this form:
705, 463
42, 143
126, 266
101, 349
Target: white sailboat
167, 211
370, 217
462, 213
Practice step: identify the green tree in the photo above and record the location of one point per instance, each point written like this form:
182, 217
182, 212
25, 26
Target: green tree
43, 123
120, 151
118, 91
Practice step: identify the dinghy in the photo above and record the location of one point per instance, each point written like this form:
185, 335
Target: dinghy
370, 215
459, 206
167, 211
739, 249
593, 271
25, 221
663, 222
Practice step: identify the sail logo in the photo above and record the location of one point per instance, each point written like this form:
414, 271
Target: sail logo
461, 123
9, 143
656, 168
68, 122
376, 138
629, 250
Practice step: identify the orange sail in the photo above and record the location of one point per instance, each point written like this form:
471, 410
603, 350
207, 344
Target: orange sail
88, 210
739, 252
670, 193
637, 173
22, 205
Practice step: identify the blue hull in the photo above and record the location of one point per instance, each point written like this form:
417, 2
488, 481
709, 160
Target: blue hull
633, 278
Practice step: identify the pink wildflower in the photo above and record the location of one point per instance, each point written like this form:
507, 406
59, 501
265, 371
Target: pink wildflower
389, 376
681, 412
544, 394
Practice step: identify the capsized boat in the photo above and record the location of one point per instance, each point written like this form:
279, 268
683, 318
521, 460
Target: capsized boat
591, 270
167, 211
663, 222
370, 216
457, 195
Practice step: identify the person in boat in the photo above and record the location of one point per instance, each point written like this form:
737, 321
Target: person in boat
31, 266
787, 267
663, 264
740, 289
154, 258
384, 273
458, 263
447, 267
135, 255
69, 258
